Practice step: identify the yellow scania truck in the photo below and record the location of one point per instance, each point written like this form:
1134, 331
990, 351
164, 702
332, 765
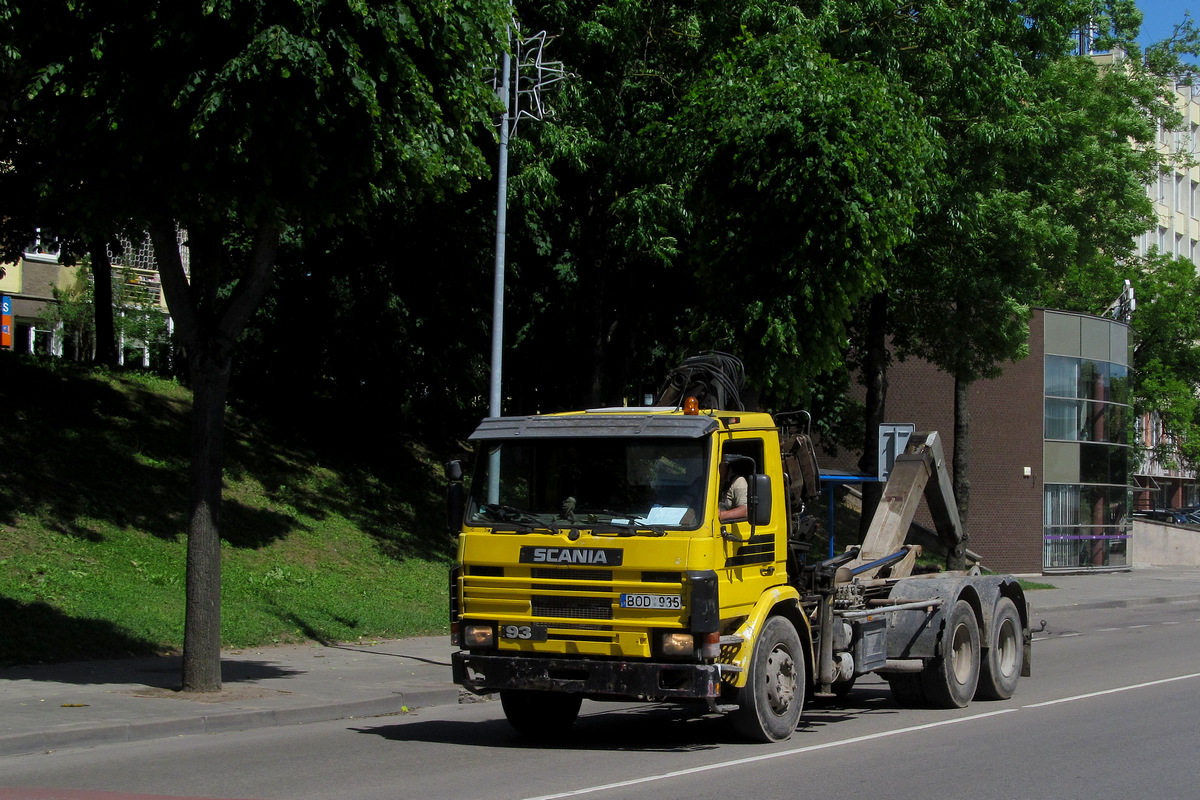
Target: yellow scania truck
593, 562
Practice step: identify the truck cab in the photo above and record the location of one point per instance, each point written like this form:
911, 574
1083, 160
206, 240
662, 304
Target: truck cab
593, 562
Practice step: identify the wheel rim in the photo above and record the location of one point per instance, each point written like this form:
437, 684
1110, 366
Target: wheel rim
781, 680
962, 654
1006, 647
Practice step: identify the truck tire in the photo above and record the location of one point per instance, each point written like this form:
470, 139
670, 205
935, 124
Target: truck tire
1001, 668
950, 679
907, 690
770, 703
540, 715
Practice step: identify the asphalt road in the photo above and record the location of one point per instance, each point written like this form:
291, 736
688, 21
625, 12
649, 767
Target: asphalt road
1111, 712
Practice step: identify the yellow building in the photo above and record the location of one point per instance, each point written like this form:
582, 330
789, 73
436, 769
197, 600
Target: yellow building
31, 285
1176, 194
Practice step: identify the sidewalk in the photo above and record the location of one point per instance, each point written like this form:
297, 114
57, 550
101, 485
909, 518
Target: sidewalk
89, 703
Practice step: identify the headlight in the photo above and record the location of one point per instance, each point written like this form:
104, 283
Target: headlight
678, 644
475, 636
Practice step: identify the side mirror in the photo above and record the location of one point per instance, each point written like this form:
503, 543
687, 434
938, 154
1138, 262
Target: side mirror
456, 497
759, 500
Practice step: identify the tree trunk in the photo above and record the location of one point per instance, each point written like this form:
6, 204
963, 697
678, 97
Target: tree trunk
102, 296
957, 559
208, 326
211, 368
874, 372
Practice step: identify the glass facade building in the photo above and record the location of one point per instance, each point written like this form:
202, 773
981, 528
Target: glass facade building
1087, 452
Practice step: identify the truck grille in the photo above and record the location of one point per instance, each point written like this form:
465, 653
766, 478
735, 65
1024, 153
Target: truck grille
579, 608
579, 605
571, 607
571, 574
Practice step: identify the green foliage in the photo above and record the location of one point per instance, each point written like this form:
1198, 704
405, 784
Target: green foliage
321, 109
596, 217
1045, 174
1176, 55
1166, 377
74, 310
806, 175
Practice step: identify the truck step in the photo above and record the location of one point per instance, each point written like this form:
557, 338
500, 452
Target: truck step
732, 639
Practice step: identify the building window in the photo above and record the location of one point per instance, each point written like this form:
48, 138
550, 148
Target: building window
1086, 495
1085, 527
43, 248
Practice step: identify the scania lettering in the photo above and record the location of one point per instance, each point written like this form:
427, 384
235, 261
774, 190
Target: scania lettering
593, 563
564, 555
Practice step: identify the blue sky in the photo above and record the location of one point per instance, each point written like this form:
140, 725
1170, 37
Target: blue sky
1160, 16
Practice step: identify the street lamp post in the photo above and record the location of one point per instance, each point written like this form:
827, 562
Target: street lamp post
528, 87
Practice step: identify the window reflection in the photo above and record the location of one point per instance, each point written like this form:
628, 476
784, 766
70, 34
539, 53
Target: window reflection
1086, 524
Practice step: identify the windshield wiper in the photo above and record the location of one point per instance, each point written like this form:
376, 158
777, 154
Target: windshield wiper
521, 521
502, 513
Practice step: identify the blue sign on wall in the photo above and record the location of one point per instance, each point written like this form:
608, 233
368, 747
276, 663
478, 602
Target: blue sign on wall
6, 322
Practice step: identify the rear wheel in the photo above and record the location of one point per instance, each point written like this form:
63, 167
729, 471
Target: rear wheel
540, 715
770, 703
950, 679
1001, 668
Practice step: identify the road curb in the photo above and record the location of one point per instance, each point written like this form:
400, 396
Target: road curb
90, 736
1125, 603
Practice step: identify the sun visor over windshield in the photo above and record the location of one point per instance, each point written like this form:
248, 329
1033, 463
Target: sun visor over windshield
595, 425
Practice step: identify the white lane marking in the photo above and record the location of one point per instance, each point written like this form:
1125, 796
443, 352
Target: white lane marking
1131, 627
1168, 623
1060, 636
1106, 630
1113, 691
855, 740
765, 757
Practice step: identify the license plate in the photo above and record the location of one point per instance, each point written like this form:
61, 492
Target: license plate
652, 601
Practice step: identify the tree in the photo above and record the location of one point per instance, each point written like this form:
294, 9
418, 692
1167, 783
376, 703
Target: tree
218, 125
1166, 378
1040, 175
595, 213
806, 175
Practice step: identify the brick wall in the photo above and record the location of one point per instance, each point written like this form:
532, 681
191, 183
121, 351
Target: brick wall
1005, 514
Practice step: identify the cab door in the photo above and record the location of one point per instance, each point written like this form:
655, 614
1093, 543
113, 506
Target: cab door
751, 556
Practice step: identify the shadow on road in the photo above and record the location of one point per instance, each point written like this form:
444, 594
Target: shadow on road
650, 727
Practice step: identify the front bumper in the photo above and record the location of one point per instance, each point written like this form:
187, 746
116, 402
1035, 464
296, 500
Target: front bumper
640, 680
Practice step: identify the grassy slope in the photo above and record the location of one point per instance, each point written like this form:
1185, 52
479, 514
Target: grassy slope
93, 494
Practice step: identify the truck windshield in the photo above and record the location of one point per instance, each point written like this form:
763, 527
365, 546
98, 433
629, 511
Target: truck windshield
590, 482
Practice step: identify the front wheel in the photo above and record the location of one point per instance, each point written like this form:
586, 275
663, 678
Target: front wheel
950, 679
770, 703
540, 715
1001, 667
